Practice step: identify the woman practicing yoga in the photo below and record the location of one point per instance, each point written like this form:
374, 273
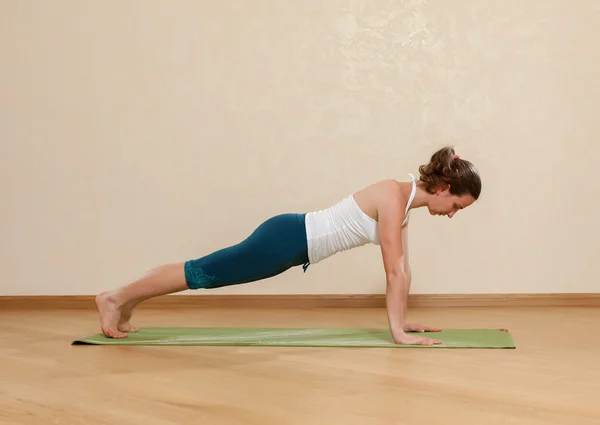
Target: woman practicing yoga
376, 214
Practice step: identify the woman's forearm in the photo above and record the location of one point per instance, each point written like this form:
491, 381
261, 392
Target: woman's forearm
408, 277
396, 301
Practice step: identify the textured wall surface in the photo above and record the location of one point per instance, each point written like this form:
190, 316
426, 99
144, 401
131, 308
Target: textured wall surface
145, 132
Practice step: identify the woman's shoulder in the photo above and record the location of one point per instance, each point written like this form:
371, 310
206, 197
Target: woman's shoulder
378, 196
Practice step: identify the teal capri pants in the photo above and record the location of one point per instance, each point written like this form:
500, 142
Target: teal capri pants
275, 246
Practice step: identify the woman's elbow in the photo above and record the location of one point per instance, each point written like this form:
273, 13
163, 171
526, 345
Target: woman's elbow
396, 274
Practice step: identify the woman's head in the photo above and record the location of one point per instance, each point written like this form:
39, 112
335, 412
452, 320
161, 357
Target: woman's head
454, 182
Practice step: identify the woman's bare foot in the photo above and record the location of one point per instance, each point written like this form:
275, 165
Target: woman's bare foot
110, 314
116, 306
126, 313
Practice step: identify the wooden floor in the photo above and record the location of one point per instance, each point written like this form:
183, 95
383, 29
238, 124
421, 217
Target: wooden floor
553, 377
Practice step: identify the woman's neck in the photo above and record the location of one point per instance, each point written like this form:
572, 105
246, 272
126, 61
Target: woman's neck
421, 195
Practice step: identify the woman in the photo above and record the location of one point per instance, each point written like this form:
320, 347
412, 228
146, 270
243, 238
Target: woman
377, 214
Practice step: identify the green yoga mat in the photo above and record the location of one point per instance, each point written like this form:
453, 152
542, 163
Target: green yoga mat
301, 337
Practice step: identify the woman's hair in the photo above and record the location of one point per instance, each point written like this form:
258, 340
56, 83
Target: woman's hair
447, 168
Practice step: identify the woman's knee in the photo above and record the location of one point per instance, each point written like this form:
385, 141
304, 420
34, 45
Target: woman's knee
195, 276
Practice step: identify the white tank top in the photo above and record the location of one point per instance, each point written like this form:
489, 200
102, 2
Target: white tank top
343, 226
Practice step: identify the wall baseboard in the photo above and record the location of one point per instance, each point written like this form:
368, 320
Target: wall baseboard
313, 301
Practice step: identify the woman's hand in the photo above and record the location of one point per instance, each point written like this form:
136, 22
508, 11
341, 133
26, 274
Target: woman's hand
405, 339
414, 327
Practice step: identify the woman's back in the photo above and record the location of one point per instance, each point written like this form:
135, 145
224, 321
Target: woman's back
352, 222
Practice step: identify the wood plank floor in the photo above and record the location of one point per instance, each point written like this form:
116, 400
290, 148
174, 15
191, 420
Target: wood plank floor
553, 377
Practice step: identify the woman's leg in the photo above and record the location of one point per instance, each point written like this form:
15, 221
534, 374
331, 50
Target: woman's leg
275, 246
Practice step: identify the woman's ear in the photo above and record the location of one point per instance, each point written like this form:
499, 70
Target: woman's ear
441, 189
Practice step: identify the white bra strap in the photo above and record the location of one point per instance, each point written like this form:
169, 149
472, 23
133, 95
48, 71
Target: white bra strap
412, 193
410, 199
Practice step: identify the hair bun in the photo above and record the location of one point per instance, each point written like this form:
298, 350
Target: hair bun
443, 170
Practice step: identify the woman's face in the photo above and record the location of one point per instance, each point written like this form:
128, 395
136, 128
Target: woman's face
442, 202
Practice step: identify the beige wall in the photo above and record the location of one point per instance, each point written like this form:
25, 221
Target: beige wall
116, 120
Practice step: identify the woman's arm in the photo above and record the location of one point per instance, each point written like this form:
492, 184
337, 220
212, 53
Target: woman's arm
407, 270
395, 263
391, 216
